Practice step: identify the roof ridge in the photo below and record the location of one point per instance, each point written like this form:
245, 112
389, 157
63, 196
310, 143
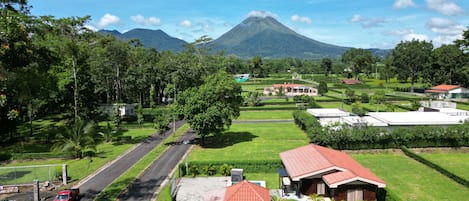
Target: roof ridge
326, 158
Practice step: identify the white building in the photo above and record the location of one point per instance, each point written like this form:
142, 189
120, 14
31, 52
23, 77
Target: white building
290, 90
448, 92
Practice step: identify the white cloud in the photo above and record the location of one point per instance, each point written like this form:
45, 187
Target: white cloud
368, 22
107, 20
263, 14
357, 18
408, 35
185, 23
447, 31
399, 4
151, 21
297, 18
91, 27
445, 7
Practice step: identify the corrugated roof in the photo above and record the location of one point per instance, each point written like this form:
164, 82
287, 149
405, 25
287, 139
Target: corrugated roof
313, 160
351, 81
445, 87
246, 191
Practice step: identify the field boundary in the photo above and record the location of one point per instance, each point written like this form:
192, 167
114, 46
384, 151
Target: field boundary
436, 167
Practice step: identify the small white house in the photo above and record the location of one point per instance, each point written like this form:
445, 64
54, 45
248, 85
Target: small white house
448, 92
125, 109
290, 90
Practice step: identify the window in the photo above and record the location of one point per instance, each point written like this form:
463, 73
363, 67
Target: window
355, 195
321, 188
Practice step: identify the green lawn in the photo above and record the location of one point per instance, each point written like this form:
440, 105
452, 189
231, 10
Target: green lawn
252, 142
410, 179
78, 169
457, 163
266, 115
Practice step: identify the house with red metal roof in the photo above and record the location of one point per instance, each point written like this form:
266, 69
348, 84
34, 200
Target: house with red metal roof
351, 81
289, 89
445, 91
246, 191
313, 169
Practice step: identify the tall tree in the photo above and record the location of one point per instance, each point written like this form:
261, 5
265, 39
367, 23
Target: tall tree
210, 108
322, 88
326, 65
410, 57
446, 66
359, 60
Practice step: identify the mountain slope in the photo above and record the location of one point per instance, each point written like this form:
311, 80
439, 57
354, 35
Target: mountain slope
150, 38
266, 37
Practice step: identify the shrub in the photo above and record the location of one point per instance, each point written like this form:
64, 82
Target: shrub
210, 170
193, 170
225, 169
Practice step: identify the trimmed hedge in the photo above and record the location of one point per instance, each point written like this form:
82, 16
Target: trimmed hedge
43, 155
368, 137
267, 108
220, 167
436, 167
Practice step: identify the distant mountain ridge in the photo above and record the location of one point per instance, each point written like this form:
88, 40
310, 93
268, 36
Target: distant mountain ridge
157, 39
255, 36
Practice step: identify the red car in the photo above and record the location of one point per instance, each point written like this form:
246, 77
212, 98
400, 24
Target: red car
67, 195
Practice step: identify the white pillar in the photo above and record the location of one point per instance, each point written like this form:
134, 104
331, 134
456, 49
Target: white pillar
64, 174
36, 190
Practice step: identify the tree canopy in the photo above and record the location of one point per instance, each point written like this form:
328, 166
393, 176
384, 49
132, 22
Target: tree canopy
210, 108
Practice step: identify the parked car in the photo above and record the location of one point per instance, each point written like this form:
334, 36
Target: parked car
67, 195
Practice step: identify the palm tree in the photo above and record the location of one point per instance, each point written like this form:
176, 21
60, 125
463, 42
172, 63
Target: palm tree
79, 139
108, 133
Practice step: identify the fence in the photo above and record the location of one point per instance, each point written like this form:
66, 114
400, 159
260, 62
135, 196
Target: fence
27, 174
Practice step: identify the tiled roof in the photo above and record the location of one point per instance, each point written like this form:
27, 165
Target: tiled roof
313, 160
246, 191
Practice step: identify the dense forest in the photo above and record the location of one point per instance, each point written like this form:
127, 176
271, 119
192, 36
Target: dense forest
52, 66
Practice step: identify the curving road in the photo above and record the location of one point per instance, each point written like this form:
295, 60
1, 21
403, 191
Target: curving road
144, 187
92, 186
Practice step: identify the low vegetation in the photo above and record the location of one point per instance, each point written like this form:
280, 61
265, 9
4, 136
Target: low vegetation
411, 180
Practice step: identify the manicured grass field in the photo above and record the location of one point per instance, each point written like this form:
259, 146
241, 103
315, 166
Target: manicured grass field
252, 142
266, 115
457, 163
411, 180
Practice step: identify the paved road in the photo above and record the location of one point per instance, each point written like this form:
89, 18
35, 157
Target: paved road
92, 187
144, 187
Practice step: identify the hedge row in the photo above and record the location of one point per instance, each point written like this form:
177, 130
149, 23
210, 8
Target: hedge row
436, 167
220, 167
368, 137
267, 108
43, 155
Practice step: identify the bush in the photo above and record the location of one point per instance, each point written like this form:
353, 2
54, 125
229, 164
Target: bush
4, 156
210, 167
225, 169
210, 170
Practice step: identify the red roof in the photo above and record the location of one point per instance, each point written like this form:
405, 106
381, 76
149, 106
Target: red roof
442, 88
336, 167
351, 81
246, 191
276, 86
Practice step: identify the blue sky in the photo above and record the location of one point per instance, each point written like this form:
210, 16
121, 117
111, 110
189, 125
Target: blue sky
351, 23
